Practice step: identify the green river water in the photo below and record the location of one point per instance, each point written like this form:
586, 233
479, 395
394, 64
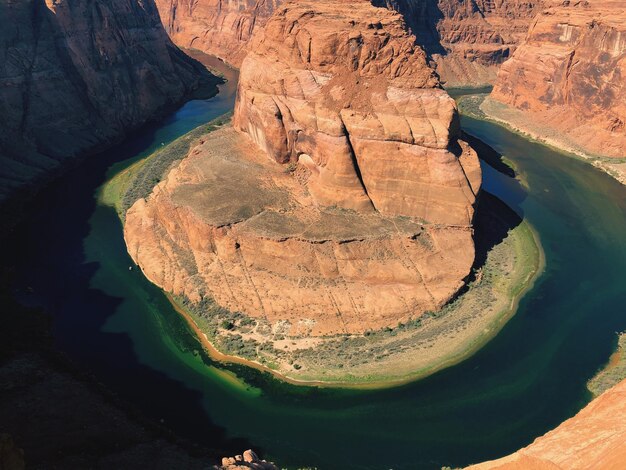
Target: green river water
524, 382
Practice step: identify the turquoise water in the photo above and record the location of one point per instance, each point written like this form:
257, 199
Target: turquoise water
524, 382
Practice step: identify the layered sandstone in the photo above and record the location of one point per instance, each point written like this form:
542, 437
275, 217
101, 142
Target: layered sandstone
359, 107
568, 77
594, 438
468, 39
76, 76
344, 203
216, 27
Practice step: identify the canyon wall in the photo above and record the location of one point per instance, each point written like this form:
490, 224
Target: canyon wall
354, 197
569, 77
594, 438
76, 76
468, 39
221, 28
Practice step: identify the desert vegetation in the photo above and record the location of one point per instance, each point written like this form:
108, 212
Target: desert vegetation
614, 372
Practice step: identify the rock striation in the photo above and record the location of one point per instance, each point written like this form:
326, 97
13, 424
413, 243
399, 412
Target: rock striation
216, 27
342, 198
249, 460
568, 76
594, 438
76, 76
358, 106
468, 39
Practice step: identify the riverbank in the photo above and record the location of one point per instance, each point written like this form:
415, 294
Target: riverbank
483, 107
382, 358
614, 371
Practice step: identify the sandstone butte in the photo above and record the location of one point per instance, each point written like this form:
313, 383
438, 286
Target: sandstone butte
593, 439
341, 201
468, 39
568, 76
77, 76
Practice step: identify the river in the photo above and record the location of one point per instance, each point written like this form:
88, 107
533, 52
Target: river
71, 259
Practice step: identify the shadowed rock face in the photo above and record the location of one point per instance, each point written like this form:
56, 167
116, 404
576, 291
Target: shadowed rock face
468, 38
344, 203
594, 438
218, 27
569, 74
79, 75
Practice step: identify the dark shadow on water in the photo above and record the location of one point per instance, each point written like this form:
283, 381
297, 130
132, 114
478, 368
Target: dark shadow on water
489, 155
45, 256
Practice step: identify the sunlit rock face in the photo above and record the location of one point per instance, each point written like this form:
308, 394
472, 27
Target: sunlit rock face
569, 74
594, 438
221, 28
79, 75
340, 200
340, 88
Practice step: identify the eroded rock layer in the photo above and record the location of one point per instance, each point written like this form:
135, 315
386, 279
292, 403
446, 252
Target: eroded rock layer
221, 28
594, 438
347, 95
78, 75
469, 39
344, 203
569, 75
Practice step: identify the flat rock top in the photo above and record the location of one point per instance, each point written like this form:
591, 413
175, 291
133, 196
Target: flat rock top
226, 180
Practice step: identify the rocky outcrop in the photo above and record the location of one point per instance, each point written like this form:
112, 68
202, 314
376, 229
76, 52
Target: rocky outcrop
76, 76
345, 203
217, 27
468, 39
594, 438
568, 76
249, 460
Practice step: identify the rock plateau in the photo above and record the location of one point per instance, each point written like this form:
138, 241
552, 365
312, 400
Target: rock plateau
341, 200
568, 77
76, 76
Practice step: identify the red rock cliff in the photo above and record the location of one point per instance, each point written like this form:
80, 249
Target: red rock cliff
569, 75
469, 39
221, 28
348, 95
78, 75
